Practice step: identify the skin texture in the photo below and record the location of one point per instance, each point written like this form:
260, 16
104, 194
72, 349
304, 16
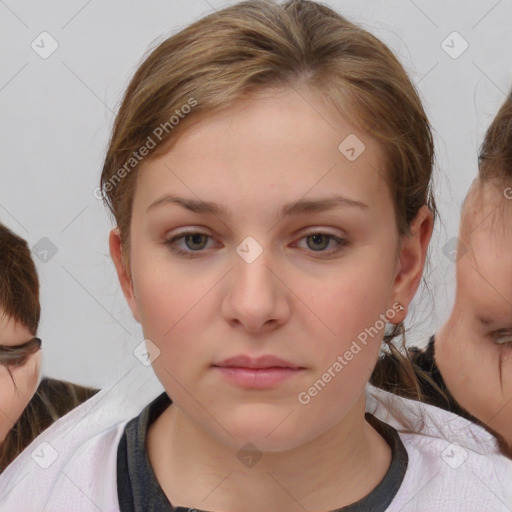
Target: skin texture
14, 398
478, 370
290, 302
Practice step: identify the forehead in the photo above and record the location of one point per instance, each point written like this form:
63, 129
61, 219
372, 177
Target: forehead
277, 142
486, 267
487, 221
11, 332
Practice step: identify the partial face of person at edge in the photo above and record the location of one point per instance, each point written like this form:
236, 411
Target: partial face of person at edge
14, 396
477, 351
253, 281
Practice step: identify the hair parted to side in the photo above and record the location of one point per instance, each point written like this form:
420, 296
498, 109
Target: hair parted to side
258, 45
495, 158
19, 283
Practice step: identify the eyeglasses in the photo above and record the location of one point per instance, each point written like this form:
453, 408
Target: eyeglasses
18, 355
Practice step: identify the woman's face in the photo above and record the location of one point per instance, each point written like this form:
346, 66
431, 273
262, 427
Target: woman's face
16, 389
477, 357
283, 270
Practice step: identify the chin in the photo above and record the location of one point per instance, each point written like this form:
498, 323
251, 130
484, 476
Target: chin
268, 431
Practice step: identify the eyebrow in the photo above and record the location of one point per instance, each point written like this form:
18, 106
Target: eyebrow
293, 208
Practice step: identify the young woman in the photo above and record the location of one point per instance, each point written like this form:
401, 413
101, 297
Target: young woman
269, 174
467, 366
27, 405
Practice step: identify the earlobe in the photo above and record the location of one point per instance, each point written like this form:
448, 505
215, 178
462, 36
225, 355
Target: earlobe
412, 256
397, 313
123, 274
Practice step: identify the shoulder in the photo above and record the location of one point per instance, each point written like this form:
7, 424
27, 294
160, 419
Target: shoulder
453, 464
73, 463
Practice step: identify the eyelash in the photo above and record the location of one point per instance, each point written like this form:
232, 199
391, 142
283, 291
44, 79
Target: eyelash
342, 243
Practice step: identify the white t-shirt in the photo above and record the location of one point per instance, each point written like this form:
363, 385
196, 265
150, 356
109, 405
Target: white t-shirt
454, 465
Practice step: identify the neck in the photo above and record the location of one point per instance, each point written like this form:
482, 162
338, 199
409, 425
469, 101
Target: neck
333, 470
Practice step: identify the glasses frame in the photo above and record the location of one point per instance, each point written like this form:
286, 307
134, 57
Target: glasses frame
13, 356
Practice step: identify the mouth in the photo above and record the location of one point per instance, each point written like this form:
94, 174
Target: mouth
257, 378
260, 373
259, 363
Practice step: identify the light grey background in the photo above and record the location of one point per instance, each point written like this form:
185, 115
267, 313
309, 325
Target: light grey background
56, 114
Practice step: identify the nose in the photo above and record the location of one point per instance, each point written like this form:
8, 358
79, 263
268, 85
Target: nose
256, 296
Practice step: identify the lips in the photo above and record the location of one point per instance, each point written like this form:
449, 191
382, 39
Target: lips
265, 372
267, 361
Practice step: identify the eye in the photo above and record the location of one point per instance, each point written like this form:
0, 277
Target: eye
194, 240
188, 243
317, 241
502, 336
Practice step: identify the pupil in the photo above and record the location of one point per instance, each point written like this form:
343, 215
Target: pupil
318, 238
194, 238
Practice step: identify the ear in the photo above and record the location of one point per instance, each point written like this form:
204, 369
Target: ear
412, 255
123, 273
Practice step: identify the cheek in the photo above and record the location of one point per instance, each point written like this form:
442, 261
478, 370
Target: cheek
167, 299
480, 376
353, 300
175, 311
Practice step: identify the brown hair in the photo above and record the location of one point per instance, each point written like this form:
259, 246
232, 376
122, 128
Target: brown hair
257, 45
495, 158
53, 399
397, 372
19, 284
